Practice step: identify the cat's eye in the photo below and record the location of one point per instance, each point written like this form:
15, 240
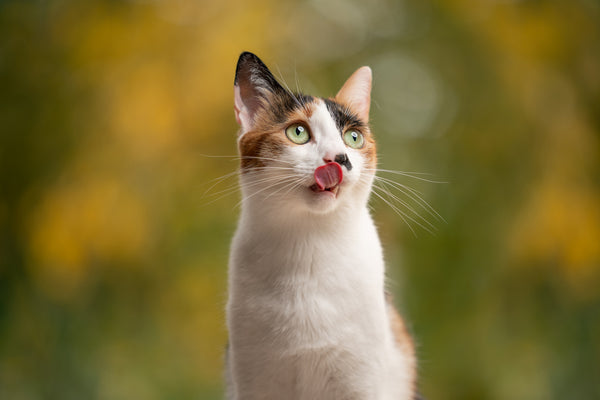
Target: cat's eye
354, 139
297, 133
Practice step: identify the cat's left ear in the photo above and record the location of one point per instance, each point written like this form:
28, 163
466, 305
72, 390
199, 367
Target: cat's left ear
253, 87
356, 93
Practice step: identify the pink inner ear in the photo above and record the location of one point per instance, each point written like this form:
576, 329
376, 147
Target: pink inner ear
241, 113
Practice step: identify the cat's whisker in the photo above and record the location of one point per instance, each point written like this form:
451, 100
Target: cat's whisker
229, 175
231, 188
407, 174
410, 212
276, 180
266, 172
387, 192
273, 167
391, 181
218, 156
266, 159
218, 198
253, 182
239, 203
246, 157
403, 172
432, 214
270, 180
290, 186
228, 190
219, 180
281, 188
298, 90
223, 193
414, 195
258, 183
380, 192
287, 88
299, 183
395, 209
402, 213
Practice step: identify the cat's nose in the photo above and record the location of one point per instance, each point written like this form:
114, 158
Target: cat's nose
341, 159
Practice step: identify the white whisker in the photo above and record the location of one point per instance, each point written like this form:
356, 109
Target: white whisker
382, 188
298, 90
289, 185
414, 195
239, 158
287, 88
392, 196
265, 159
253, 194
400, 213
407, 174
275, 179
279, 178
251, 182
218, 181
220, 197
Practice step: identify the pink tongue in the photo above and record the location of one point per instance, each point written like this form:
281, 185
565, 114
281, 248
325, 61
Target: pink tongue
329, 175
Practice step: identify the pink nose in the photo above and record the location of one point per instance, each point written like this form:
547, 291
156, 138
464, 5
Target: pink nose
329, 175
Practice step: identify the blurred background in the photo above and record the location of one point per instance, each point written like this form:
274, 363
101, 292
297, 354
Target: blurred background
114, 241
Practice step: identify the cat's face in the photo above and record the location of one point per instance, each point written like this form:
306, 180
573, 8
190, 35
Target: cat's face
306, 153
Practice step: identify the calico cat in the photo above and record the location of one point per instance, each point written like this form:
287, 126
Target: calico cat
307, 314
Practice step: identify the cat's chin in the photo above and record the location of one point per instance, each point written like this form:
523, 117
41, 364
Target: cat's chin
323, 201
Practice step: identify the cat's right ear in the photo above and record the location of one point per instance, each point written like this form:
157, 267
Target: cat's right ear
253, 86
356, 92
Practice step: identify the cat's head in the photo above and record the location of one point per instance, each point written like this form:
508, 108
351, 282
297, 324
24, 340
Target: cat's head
308, 153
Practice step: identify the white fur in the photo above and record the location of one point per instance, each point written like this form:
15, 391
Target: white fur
306, 313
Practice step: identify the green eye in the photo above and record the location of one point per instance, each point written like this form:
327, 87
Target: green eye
297, 133
354, 139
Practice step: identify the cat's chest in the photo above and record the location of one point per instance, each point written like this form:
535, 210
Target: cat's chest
313, 311
317, 287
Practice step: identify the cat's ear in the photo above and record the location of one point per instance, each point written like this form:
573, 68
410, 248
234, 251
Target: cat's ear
356, 93
253, 86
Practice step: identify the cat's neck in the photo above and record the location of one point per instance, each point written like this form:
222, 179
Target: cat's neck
275, 216
308, 244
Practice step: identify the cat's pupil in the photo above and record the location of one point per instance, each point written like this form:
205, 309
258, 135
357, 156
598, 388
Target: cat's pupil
354, 136
299, 130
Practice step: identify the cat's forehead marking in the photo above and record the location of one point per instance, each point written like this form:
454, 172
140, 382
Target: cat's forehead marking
344, 118
282, 107
303, 111
321, 118
327, 134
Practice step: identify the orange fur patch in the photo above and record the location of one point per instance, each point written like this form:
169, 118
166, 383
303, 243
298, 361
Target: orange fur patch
402, 337
369, 150
267, 139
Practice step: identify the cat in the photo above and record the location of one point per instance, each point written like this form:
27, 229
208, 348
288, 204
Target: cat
307, 313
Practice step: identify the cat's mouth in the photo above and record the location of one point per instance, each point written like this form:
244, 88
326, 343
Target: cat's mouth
333, 190
328, 178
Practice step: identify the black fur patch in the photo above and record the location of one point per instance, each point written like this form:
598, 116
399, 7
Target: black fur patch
264, 91
343, 159
250, 68
344, 118
283, 104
